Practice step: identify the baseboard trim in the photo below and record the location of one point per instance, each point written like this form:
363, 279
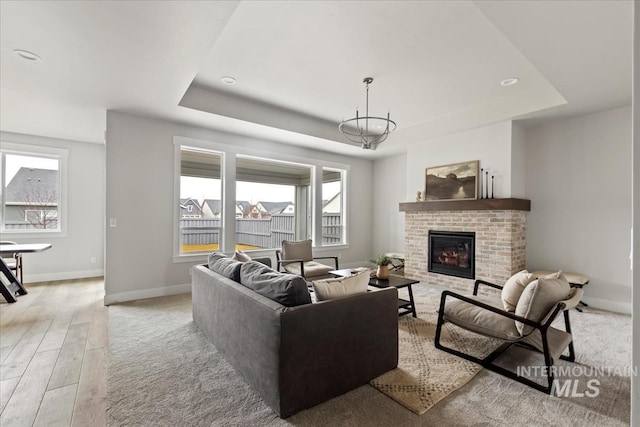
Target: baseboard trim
63, 275
147, 293
609, 305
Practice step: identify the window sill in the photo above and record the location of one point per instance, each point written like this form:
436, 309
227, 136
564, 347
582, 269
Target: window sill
33, 234
258, 253
199, 257
330, 248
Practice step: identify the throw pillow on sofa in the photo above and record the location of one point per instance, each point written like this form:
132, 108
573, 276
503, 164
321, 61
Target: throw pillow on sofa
287, 289
222, 264
241, 256
341, 287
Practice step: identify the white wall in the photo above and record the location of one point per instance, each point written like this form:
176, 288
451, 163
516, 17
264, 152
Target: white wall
72, 250
579, 182
389, 190
139, 170
489, 144
518, 162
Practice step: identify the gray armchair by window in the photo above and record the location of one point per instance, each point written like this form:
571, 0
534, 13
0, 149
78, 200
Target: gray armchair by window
528, 324
13, 261
297, 258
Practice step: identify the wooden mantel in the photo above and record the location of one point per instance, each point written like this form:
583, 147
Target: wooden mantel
468, 205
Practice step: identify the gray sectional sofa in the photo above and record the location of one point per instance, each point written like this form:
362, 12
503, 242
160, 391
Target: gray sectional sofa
298, 356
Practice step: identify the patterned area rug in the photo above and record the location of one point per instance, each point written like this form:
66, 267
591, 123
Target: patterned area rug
426, 375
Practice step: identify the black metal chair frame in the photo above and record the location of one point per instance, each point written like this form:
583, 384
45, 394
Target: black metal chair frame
282, 262
487, 362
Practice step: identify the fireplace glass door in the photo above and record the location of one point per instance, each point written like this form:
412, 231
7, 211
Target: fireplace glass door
452, 253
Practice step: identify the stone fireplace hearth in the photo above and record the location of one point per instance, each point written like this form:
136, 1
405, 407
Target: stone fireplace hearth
500, 237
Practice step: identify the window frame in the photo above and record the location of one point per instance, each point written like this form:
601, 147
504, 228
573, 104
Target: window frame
343, 204
178, 174
301, 229
228, 173
59, 154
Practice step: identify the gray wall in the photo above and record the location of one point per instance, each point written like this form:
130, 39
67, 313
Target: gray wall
579, 182
83, 239
140, 178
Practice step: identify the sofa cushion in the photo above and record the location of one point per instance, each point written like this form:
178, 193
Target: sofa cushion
241, 256
538, 299
287, 289
222, 264
341, 287
513, 288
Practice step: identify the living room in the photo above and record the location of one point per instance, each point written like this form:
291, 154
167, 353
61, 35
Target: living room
121, 196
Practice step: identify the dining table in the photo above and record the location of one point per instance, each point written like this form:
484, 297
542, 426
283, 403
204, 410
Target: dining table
11, 286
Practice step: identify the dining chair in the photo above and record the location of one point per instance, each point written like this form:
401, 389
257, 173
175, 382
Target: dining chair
13, 261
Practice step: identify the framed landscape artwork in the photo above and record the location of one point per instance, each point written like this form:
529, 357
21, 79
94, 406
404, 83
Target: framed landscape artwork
458, 181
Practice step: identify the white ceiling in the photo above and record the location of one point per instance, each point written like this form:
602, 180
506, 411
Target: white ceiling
299, 65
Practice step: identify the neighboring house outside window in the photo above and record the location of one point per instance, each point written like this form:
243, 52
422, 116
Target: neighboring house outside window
190, 208
31, 189
212, 208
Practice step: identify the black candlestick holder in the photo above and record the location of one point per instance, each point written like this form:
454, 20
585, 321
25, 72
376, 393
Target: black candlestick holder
486, 184
492, 186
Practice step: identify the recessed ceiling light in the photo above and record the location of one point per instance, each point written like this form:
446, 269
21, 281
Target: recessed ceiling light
510, 82
228, 80
26, 54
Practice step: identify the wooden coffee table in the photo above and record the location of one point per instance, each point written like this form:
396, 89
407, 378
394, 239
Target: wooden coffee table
404, 306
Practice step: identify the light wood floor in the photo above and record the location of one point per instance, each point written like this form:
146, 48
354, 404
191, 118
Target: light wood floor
53, 348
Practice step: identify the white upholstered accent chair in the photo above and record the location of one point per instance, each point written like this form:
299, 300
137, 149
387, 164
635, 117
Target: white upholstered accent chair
13, 261
297, 258
528, 324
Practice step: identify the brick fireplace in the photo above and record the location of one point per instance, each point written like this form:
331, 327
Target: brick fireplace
500, 237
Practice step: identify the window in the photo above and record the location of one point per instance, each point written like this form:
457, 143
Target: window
31, 188
230, 197
272, 202
200, 200
333, 230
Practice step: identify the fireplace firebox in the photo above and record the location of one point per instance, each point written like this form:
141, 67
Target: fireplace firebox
452, 253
